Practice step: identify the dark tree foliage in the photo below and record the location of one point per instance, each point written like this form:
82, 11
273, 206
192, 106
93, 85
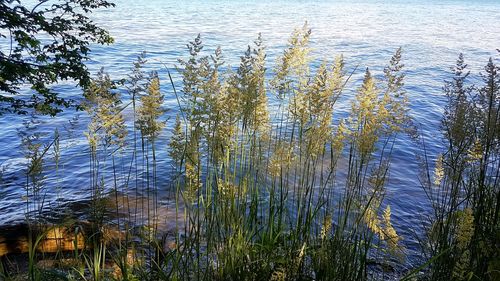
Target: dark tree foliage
43, 42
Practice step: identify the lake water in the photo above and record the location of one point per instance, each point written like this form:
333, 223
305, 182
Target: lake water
431, 33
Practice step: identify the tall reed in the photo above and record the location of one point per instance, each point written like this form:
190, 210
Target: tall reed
263, 190
261, 195
463, 237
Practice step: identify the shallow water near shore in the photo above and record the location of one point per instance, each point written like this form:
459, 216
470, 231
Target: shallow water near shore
366, 33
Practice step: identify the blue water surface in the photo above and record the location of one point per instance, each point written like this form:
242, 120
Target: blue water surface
431, 33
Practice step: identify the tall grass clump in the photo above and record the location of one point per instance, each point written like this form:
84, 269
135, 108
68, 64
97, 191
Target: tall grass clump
463, 237
261, 195
106, 135
271, 181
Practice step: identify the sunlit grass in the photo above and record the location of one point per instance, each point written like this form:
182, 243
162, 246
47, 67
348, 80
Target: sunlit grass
276, 194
